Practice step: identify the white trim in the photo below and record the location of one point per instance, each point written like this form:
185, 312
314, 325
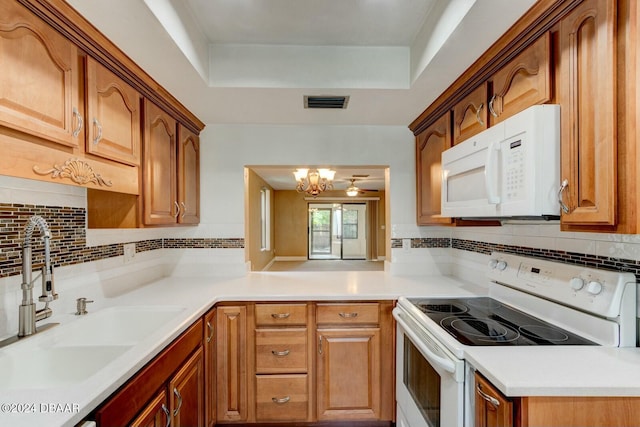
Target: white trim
268, 266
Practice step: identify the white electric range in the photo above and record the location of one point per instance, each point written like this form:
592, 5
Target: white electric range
531, 302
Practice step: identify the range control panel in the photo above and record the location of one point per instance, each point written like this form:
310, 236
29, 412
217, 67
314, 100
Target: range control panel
596, 291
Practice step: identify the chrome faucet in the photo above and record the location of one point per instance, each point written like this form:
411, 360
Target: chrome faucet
27, 313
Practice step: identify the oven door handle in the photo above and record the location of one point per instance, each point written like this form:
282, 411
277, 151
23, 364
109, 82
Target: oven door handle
442, 362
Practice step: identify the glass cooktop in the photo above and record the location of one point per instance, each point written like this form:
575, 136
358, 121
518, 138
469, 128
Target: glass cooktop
485, 321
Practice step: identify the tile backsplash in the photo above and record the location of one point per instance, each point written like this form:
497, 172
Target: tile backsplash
68, 238
587, 260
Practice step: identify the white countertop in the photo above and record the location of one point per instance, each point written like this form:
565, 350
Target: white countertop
521, 371
559, 370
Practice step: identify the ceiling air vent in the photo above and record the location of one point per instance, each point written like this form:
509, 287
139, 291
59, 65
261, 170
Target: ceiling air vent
326, 101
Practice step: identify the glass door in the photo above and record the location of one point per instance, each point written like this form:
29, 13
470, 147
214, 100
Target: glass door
337, 231
354, 231
321, 238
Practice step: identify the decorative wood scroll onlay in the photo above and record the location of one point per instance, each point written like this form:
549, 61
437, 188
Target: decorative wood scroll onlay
77, 170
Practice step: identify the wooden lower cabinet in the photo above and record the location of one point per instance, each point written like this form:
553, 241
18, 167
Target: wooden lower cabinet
186, 401
281, 363
355, 361
155, 414
173, 380
209, 341
232, 379
493, 409
348, 373
282, 397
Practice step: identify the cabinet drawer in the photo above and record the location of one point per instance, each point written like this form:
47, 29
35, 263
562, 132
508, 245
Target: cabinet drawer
281, 351
281, 314
282, 397
364, 313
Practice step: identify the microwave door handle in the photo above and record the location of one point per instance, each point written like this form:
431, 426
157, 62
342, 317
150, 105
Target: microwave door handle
437, 360
490, 181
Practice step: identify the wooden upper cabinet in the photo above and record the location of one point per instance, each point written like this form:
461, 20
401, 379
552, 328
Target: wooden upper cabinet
113, 116
429, 147
523, 82
188, 176
159, 167
470, 116
39, 79
587, 91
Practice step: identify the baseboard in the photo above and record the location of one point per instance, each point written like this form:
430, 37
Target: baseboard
290, 258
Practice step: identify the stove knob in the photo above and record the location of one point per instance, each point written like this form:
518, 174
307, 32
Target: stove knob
576, 283
594, 288
493, 263
502, 265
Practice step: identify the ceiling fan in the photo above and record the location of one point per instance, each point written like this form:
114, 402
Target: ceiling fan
353, 190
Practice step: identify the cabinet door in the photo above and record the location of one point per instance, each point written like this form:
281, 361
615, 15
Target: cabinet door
348, 373
588, 114
429, 147
188, 176
155, 414
160, 198
492, 408
39, 79
470, 115
523, 82
187, 393
231, 363
113, 114
209, 341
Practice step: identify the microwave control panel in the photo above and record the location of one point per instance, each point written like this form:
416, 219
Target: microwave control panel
515, 172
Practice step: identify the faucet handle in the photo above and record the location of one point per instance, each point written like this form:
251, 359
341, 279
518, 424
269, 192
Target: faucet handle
81, 306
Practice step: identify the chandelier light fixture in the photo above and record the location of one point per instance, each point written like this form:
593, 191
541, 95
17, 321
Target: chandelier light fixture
314, 182
352, 190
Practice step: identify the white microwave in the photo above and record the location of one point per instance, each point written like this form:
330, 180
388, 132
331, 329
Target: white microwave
510, 170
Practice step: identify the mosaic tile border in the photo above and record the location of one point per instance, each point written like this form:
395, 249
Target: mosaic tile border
586, 260
68, 239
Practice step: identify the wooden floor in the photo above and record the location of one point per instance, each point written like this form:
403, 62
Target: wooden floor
327, 265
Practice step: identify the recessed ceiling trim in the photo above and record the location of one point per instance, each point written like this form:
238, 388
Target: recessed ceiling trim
326, 101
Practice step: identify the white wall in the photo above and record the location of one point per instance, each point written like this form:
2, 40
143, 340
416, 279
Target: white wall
227, 149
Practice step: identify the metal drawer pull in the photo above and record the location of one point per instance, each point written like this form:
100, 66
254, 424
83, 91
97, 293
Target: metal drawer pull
166, 414
281, 400
563, 186
175, 202
99, 126
280, 353
478, 111
184, 209
495, 402
210, 337
491, 110
320, 344
280, 315
76, 131
348, 315
177, 410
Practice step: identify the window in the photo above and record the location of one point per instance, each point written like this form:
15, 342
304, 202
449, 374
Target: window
265, 219
349, 224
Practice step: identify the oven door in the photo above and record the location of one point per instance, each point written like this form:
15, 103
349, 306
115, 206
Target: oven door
429, 379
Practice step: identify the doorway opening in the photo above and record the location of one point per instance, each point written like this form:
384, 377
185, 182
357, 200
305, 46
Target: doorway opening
338, 231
